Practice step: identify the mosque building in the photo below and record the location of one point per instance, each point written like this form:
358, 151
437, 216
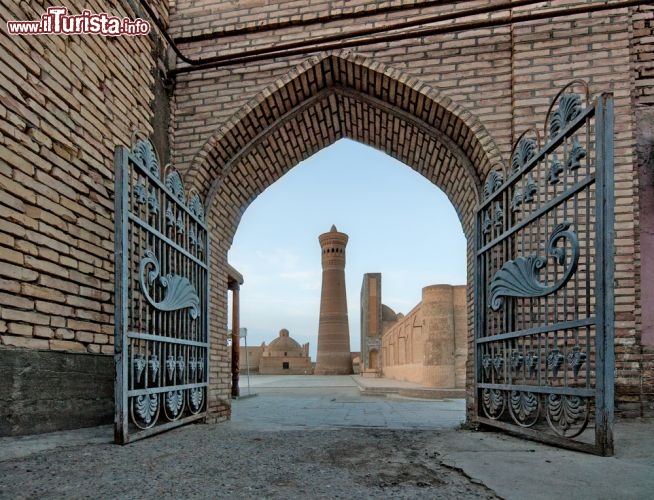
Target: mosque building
283, 356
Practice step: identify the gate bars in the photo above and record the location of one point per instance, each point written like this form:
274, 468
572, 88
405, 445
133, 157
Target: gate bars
162, 291
544, 314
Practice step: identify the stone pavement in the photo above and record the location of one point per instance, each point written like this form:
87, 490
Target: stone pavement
286, 402
510, 467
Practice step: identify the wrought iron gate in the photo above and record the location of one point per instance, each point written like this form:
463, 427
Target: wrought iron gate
544, 281
162, 290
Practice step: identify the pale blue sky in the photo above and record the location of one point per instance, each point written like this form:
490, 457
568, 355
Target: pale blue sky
399, 224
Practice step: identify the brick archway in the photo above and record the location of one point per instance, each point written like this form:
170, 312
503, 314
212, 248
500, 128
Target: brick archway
332, 96
329, 97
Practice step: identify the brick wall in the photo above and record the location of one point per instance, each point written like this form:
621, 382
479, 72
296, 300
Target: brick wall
428, 346
642, 58
65, 103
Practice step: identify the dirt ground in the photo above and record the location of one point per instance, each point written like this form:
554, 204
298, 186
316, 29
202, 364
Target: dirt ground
320, 438
214, 461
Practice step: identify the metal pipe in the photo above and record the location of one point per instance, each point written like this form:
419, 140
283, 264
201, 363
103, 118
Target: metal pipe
372, 31
275, 25
247, 57
339, 36
164, 33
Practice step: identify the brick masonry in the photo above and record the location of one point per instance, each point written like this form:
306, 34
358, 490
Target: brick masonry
479, 88
428, 345
450, 106
65, 103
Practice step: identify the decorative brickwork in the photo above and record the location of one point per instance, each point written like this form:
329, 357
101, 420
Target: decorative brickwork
333, 355
258, 120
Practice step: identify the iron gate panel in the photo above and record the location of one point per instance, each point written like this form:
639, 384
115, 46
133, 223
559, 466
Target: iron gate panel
544, 314
162, 290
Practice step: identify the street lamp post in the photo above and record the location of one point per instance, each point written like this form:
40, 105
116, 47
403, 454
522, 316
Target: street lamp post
243, 333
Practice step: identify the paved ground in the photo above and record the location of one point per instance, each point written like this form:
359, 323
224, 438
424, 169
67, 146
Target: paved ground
312, 437
335, 403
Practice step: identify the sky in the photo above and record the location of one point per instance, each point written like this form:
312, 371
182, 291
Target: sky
398, 222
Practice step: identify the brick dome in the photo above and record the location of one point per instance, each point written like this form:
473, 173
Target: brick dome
283, 343
388, 314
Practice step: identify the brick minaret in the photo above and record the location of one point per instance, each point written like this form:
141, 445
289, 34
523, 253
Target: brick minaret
334, 356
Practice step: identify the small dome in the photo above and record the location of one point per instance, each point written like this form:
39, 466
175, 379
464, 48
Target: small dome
284, 343
388, 314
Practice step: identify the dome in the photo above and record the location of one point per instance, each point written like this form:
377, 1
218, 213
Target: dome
284, 343
388, 314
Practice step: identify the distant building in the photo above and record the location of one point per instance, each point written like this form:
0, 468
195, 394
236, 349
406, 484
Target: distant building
428, 346
371, 324
283, 356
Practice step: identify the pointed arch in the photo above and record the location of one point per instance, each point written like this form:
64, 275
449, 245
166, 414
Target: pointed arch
335, 95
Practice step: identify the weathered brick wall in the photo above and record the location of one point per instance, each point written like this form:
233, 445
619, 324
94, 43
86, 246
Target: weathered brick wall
500, 79
65, 103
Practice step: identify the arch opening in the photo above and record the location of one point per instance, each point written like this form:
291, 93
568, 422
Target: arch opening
396, 222
327, 98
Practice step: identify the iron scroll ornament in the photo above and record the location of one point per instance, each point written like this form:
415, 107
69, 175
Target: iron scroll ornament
180, 293
520, 277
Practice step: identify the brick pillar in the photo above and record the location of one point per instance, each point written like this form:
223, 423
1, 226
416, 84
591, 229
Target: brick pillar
333, 331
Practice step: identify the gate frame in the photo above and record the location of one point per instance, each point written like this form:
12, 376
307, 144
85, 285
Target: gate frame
602, 110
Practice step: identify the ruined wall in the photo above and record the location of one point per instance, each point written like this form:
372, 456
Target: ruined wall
428, 346
65, 103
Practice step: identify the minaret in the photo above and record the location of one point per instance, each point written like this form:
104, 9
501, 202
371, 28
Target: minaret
334, 356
